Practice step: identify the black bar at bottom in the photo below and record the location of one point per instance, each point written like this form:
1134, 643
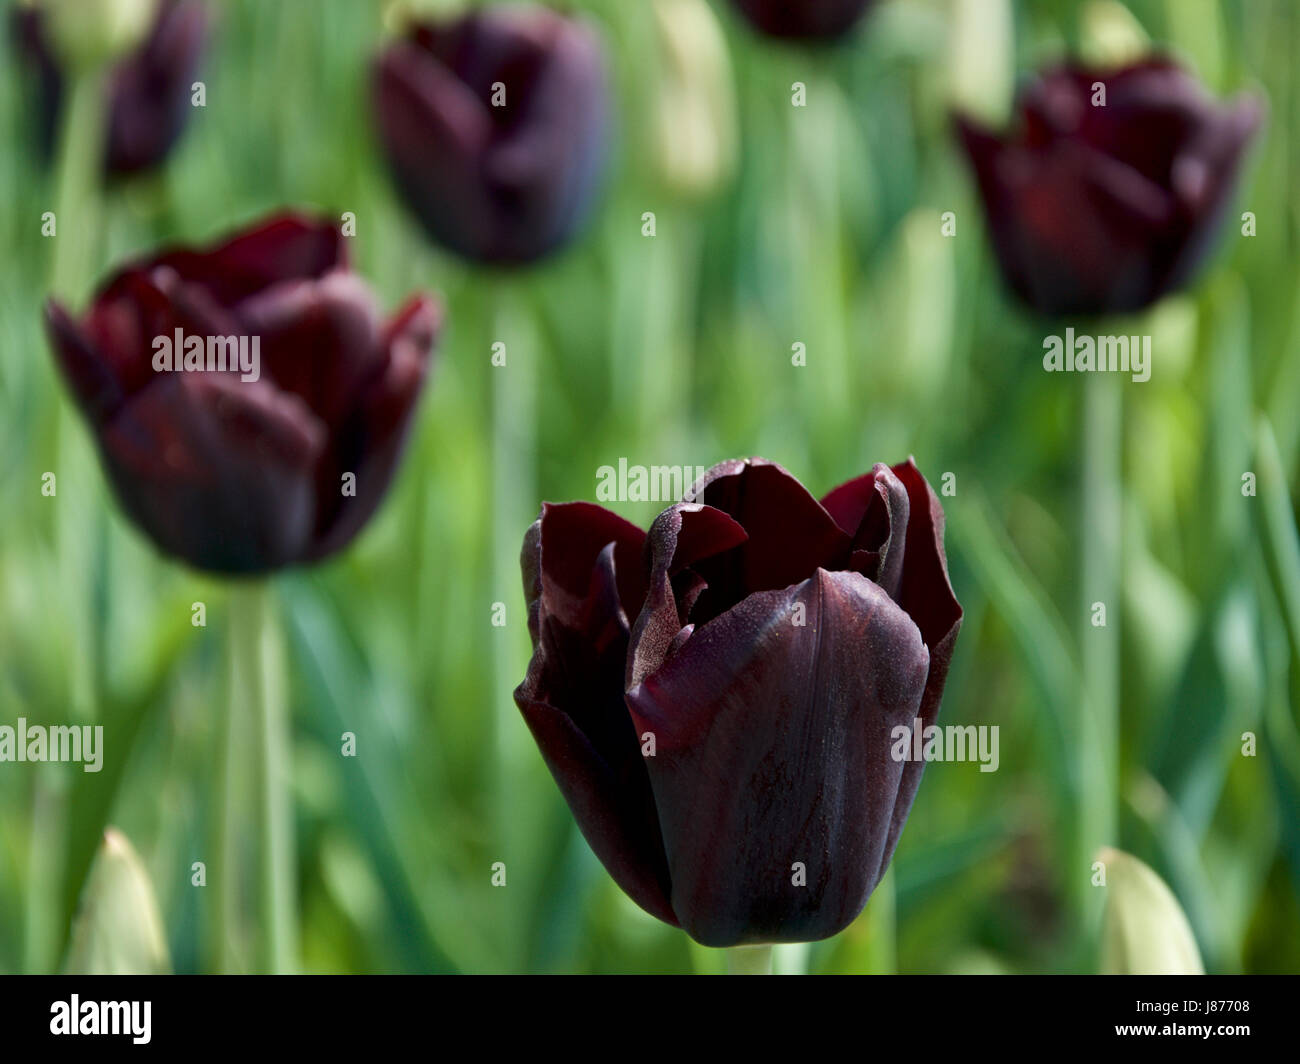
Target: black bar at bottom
584, 1014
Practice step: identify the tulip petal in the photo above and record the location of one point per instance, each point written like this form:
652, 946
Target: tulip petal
789, 534
543, 168
218, 472
434, 130
774, 751
682, 536
926, 595
319, 339
874, 510
369, 439
95, 383
581, 563
287, 247
150, 89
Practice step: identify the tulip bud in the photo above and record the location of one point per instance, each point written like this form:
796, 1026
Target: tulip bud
1144, 931
495, 128
118, 929
1109, 187
694, 104
88, 33
1110, 35
981, 60
146, 88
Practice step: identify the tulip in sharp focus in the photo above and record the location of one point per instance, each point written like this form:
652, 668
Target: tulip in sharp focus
806, 19
148, 88
715, 698
236, 471
1097, 207
495, 128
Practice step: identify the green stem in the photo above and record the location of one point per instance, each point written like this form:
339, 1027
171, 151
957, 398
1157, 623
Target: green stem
1100, 561
76, 220
258, 697
514, 508
749, 960
225, 881
81, 153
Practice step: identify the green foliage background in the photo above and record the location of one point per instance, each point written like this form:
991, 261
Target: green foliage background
676, 350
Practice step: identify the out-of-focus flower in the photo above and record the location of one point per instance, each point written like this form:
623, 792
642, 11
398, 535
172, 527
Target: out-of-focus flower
1108, 193
495, 127
86, 33
148, 87
1144, 931
716, 699
694, 102
118, 929
808, 19
281, 456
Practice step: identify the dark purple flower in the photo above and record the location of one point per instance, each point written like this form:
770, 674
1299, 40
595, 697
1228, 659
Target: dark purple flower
495, 128
148, 90
807, 19
769, 643
1100, 208
240, 472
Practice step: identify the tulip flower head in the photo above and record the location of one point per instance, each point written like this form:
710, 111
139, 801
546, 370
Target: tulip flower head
715, 698
148, 89
1108, 193
803, 19
235, 471
495, 127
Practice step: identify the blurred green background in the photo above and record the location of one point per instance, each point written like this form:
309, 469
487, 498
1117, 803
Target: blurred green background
676, 349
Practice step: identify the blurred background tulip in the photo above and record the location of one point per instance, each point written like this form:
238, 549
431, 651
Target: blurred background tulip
1111, 186
495, 126
236, 471
807, 19
118, 929
155, 50
1144, 930
694, 106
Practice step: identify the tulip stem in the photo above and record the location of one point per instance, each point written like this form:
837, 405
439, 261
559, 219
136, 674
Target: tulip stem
749, 960
81, 151
1100, 561
514, 506
257, 698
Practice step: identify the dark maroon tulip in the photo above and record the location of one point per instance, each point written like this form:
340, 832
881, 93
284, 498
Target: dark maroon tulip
148, 90
806, 19
496, 184
770, 643
236, 475
1096, 209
